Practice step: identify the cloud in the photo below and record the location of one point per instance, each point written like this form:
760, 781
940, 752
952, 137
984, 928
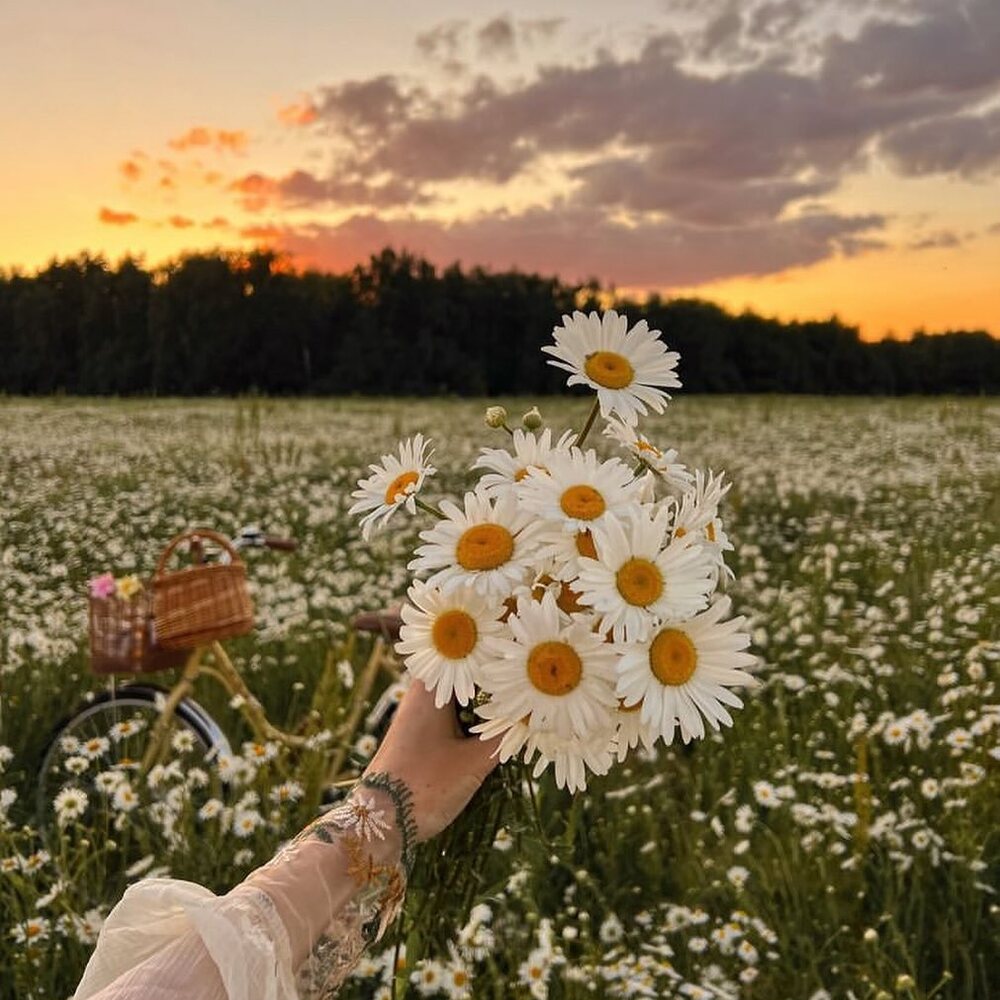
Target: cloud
180, 222
966, 145
218, 222
575, 244
941, 239
497, 38
443, 41
268, 234
112, 218
219, 139
648, 186
130, 170
710, 150
301, 188
298, 113
949, 48
450, 43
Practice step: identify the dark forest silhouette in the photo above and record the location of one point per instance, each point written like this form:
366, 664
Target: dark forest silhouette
233, 322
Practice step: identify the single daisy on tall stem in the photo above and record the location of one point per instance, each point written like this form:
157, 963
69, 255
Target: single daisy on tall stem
395, 483
628, 370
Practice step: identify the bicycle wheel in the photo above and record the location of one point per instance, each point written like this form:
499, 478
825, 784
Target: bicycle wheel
98, 749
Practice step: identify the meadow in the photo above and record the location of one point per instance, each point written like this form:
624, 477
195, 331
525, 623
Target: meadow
842, 840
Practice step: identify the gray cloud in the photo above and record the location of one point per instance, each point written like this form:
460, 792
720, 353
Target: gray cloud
967, 145
497, 38
935, 241
718, 167
951, 49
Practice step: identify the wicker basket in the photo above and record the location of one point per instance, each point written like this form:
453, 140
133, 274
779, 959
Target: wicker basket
200, 603
122, 637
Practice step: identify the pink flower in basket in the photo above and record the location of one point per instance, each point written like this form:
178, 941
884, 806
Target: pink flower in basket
102, 586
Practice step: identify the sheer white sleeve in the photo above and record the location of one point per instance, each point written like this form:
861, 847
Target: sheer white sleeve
292, 930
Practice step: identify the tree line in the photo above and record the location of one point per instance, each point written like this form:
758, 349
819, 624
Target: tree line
231, 322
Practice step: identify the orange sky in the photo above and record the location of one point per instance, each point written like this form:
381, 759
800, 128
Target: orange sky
155, 134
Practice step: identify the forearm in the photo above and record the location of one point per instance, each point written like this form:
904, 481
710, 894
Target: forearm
340, 881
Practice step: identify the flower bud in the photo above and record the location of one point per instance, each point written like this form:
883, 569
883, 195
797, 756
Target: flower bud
496, 416
905, 982
532, 420
871, 935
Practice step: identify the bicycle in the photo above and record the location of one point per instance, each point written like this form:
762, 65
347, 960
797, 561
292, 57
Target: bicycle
113, 722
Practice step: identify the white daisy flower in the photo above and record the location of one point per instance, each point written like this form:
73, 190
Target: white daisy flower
125, 798
682, 673
441, 639
554, 669
70, 803
632, 730
245, 821
571, 758
513, 730
31, 930
507, 470
627, 370
674, 476
637, 579
490, 546
579, 492
395, 483
122, 730
697, 515
95, 746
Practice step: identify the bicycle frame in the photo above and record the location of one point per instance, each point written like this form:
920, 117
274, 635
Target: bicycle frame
224, 672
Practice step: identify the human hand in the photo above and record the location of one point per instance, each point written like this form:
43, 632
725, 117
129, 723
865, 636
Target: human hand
426, 750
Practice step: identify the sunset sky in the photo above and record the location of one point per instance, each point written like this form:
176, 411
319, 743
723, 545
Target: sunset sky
798, 157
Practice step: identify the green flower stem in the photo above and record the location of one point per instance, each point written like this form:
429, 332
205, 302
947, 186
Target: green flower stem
590, 423
430, 508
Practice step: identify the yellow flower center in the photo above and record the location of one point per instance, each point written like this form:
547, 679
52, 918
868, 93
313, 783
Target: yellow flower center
672, 657
33, 929
554, 668
710, 531
397, 488
643, 445
609, 369
455, 634
640, 582
585, 544
583, 502
680, 532
484, 546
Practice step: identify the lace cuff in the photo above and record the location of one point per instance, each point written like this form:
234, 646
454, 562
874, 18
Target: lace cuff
340, 882
292, 930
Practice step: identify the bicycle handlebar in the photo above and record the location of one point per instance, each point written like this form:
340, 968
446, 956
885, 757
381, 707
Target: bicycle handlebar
253, 537
281, 544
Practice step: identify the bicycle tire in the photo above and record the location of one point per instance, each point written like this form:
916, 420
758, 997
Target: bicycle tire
116, 703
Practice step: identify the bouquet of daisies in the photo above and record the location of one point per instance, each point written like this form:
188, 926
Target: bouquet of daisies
571, 601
